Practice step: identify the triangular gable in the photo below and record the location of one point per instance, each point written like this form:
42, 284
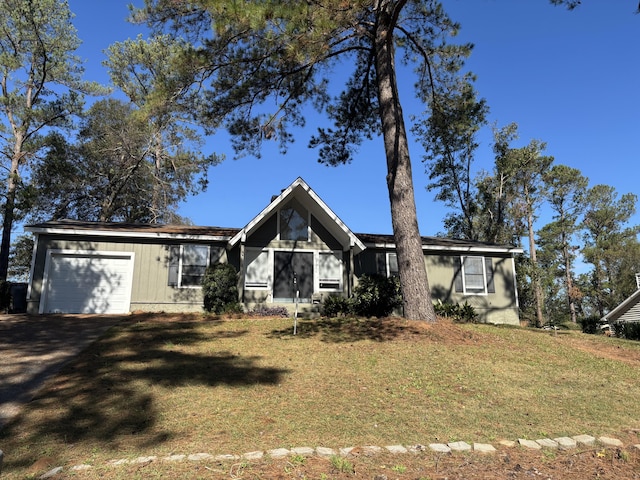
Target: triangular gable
300, 190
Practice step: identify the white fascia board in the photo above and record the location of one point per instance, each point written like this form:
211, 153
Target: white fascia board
354, 240
242, 234
483, 249
514, 250
112, 233
299, 182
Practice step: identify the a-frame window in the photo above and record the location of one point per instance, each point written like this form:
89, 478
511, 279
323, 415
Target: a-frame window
294, 222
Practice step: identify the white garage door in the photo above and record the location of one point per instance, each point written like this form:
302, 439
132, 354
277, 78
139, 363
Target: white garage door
93, 282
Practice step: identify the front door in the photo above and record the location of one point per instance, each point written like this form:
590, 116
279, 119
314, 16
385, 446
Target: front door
292, 271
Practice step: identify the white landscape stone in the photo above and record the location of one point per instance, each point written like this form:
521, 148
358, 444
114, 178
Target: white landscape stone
144, 459
325, 451
565, 443
547, 443
586, 440
440, 447
610, 442
82, 467
278, 453
396, 449
225, 457
196, 457
459, 446
507, 443
529, 444
302, 451
51, 473
483, 448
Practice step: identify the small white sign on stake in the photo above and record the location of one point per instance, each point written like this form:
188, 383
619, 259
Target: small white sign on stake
295, 314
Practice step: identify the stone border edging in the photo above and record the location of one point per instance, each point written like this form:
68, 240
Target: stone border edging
560, 443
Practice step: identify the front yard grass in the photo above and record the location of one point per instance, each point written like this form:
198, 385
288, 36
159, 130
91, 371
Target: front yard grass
162, 385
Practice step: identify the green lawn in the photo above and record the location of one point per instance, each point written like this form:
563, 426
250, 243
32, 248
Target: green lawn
165, 385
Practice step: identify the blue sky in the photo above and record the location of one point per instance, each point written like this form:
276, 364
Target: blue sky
569, 79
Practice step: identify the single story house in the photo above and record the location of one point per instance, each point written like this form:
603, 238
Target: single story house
295, 250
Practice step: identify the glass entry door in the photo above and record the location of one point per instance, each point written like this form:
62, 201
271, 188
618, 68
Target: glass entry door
292, 271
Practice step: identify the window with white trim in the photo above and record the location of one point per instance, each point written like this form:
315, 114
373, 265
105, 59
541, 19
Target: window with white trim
474, 275
330, 270
294, 222
392, 265
258, 269
187, 265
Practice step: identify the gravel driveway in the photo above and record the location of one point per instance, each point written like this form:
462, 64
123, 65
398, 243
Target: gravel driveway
33, 348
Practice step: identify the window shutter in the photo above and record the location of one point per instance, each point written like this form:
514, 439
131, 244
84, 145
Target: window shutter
258, 269
174, 265
488, 267
381, 263
457, 281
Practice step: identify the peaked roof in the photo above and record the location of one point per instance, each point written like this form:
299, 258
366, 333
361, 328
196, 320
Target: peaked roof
300, 190
623, 308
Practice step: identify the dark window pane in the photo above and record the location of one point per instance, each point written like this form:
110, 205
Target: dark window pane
294, 224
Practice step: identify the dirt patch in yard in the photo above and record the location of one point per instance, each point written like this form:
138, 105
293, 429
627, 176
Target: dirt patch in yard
611, 350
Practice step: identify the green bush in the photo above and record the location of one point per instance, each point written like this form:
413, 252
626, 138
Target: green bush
336, 305
464, 313
376, 296
220, 289
590, 324
628, 330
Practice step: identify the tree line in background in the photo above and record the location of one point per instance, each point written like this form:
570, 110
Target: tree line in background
134, 158
581, 263
251, 70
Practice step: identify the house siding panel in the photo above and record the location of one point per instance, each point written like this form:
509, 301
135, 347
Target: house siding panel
265, 233
631, 315
500, 307
322, 235
150, 290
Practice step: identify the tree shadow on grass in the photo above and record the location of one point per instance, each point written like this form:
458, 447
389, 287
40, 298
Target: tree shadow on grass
347, 329
105, 396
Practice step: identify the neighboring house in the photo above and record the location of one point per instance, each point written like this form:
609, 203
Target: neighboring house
627, 311
296, 249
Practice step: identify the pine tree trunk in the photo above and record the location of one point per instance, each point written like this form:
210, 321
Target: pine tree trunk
411, 266
535, 274
7, 223
569, 282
